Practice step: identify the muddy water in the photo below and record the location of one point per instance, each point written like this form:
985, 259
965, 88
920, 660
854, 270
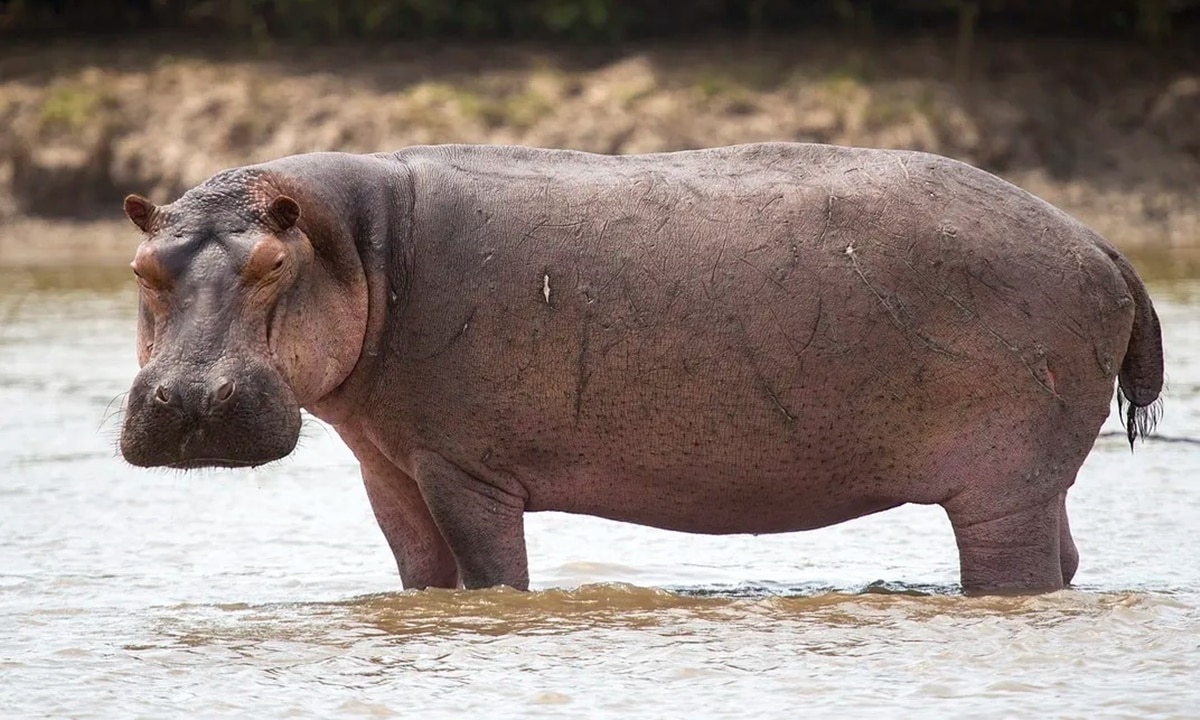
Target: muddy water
270, 593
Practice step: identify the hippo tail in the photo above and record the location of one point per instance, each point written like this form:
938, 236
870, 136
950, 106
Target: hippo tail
1141, 377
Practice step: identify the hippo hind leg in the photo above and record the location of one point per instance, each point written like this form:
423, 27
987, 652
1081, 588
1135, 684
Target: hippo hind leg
1009, 511
1010, 523
1013, 553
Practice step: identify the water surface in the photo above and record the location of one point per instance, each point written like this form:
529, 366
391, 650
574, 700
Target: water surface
271, 593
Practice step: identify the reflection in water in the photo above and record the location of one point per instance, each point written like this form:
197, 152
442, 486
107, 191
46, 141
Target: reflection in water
271, 593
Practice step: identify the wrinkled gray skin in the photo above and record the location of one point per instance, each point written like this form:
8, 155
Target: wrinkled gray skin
756, 339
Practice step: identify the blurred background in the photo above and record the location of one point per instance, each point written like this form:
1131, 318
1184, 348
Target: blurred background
1093, 105
271, 592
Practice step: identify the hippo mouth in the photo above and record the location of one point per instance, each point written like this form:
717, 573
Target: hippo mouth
237, 446
197, 463
142, 451
204, 448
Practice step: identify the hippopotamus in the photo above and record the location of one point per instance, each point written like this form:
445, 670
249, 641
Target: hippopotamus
762, 338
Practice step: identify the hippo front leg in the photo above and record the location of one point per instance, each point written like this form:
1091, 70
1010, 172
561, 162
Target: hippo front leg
422, 555
483, 523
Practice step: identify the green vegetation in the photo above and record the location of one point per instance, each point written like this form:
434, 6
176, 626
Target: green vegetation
71, 106
519, 110
591, 20
514, 107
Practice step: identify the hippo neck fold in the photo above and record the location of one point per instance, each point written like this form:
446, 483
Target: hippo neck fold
356, 210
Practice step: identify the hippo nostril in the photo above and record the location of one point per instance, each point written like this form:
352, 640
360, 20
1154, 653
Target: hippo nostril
162, 394
225, 391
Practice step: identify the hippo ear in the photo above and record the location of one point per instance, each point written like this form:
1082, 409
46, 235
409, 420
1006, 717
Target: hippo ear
283, 214
140, 211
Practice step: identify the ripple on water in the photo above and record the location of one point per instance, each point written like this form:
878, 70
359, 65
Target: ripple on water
615, 647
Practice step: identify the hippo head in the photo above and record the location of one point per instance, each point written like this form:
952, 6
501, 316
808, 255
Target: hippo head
251, 307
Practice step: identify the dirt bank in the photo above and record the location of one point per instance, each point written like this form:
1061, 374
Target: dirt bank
1107, 131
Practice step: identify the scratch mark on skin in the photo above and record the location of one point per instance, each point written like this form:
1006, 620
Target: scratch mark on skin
546, 287
828, 219
619, 274
544, 222
816, 325
898, 321
970, 312
887, 203
999, 280
572, 224
1015, 350
712, 277
769, 203
453, 338
529, 233
775, 399
812, 334
760, 271
904, 167
758, 374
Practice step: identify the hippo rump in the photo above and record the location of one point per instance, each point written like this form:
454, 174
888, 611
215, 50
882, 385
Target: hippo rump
755, 339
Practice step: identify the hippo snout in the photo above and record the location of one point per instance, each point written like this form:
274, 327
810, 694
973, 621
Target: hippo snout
202, 396
222, 416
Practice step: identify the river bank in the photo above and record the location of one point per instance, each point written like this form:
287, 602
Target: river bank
1106, 130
